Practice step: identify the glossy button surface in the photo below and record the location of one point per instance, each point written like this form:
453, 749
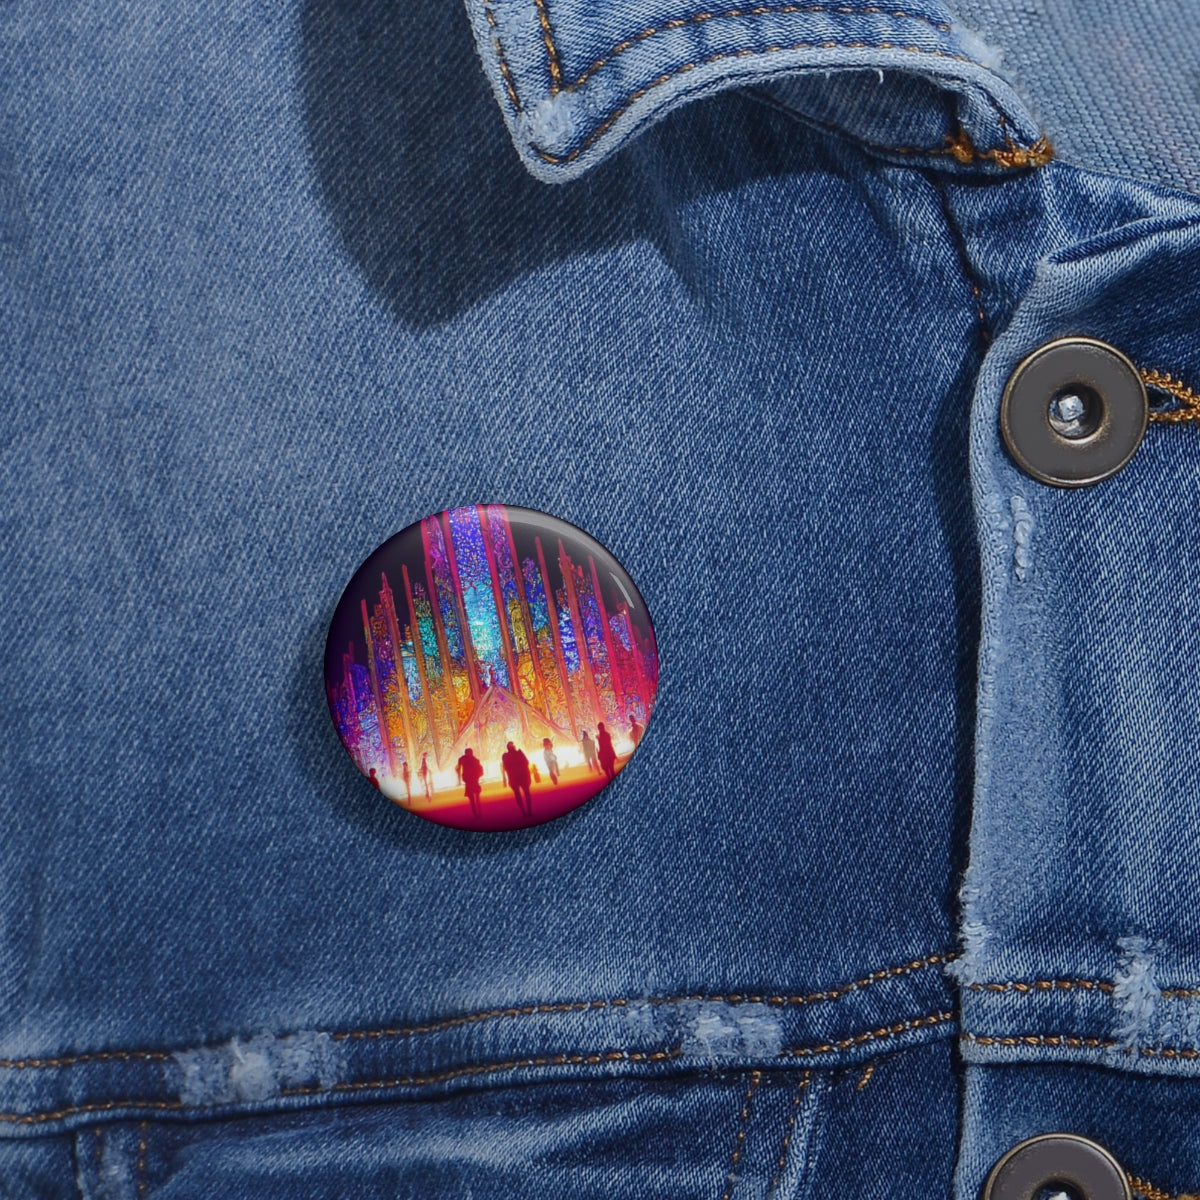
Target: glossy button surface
490, 667
1062, 1162
1074, 412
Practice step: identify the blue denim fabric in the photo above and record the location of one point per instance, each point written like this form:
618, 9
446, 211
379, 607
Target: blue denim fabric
275, 285
1111, 80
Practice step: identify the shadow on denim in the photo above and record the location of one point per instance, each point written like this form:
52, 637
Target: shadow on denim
400, 119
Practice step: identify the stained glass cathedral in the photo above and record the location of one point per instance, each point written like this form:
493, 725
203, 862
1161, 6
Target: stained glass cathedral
481, 648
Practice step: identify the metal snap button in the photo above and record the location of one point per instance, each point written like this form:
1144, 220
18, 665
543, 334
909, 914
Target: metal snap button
1074, 412
1061, 1163
491, 667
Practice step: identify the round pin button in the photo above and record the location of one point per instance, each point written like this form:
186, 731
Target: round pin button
1074, 412
1061, 1163
491, 667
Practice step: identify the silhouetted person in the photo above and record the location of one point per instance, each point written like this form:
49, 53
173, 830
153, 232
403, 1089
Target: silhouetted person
589, 751
470, 771
374, 781
608, 756
551, 759
425, 773
635, 731
516, 771
406, 775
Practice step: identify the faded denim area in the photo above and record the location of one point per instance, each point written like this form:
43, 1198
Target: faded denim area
1114, 82
275, 285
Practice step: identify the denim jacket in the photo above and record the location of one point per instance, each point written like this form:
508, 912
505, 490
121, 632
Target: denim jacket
905, 869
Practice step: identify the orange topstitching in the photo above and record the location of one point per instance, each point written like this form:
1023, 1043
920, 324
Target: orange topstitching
870, 1036
1173, 387
789, 1130
758, 10
509, 86
1024, 987
141, 1158
1076, 1041
1152, 1193
551, 48
1027, 986
740, 1141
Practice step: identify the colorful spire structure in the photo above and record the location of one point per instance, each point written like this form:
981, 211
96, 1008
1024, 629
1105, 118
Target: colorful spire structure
481, 647
560, 657
418, 640
377, 694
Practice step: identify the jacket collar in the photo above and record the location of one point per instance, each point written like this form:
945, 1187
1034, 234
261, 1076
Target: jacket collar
576, 79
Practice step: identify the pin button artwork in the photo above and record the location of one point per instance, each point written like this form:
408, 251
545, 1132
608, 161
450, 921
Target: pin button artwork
491, 668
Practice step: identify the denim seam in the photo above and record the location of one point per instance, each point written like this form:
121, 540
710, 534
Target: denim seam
788, 1132
739, 1142
479, 1069
38, 1064
1150, 1192
551, 48
1076, 1042
140, 1169
866, 1076
98, 1107
1165, 382
529, 1010
1026, 987
556, 1060
509, 84
939, 1018
964, 260
515, 1064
